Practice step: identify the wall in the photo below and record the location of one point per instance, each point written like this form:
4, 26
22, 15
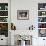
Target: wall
24, 5
32, 6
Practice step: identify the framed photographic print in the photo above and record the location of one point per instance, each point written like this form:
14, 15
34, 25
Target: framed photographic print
22, 14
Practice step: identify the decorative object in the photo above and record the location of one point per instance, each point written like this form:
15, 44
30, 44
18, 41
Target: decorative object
24, 37
23, 40
22, 43
6, 7
31, 27
43, 13
4, 26
41, 19
41, 6
42, 32
22, 14
13, 27
27, 38
41, 25
3, 19
4, 29
0, 7
3, 13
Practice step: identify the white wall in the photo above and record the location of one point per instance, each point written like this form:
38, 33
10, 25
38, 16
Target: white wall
32, 6
24, 5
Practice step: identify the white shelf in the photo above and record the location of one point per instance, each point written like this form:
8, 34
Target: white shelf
41, 22
3, 10
3, 16
42, 16
3, 22
41, 28
41, 10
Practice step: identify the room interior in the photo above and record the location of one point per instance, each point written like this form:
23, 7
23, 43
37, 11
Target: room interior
22, 22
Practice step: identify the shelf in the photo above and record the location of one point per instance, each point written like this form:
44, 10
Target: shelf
41, 28
42, 16
41, 10
41, 22
3, 16
3, 10
4, 19
42, 19
3, 22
